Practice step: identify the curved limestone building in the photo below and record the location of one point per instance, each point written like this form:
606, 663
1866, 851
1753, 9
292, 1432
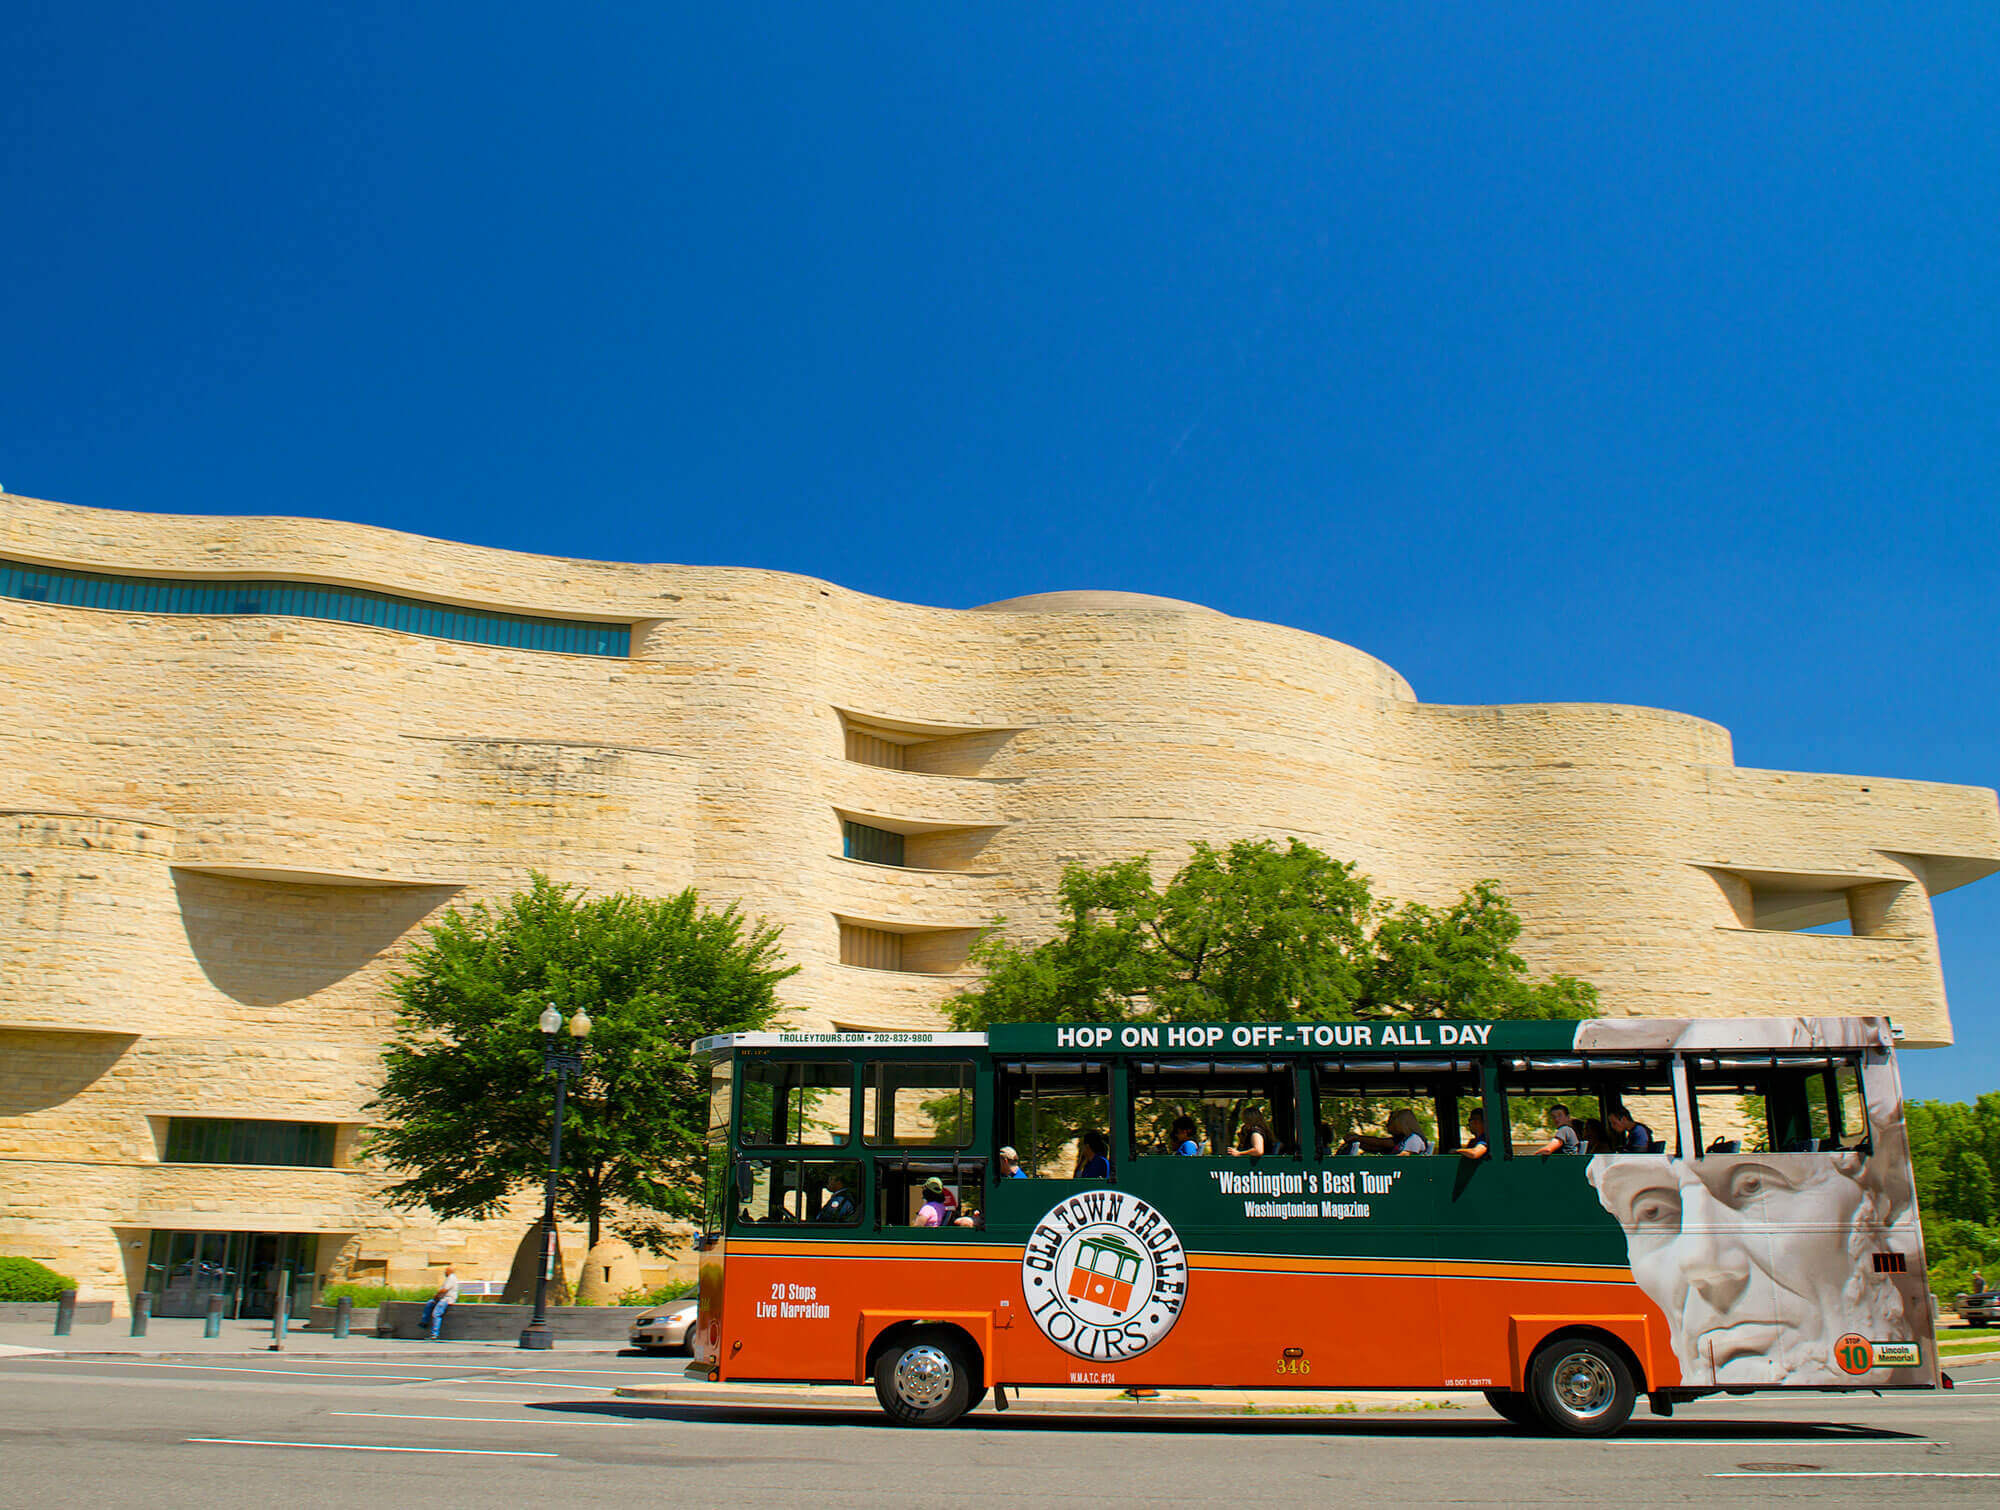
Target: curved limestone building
242, 760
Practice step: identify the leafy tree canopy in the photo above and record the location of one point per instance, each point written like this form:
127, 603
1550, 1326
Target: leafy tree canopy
466, 1102
1253, 933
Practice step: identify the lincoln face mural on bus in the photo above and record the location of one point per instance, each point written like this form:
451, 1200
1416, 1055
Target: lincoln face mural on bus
1771, 1266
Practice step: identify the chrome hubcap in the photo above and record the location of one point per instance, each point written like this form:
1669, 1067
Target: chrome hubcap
923, 1377
1584, 1386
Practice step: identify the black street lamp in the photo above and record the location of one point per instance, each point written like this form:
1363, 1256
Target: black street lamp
564, 1062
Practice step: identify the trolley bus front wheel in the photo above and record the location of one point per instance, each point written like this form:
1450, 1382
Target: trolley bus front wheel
1580, 1387
928, 1377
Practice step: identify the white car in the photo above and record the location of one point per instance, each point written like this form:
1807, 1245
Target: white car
664, 1329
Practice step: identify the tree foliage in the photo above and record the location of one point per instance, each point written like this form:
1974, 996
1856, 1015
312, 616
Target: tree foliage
1254, 933
466, 1102
1956, 1148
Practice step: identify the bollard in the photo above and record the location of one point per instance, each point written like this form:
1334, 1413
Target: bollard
65, 1312
281, 1304
142, 1312
343, 1315
211, 1325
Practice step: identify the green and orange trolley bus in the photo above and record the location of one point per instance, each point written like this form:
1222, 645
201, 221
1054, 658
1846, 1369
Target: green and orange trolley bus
1666, 1208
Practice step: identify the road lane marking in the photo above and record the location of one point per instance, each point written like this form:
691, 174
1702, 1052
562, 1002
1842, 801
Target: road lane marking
478, 1452
390, 1415
1833, 1473
219, 1368
1799, 1442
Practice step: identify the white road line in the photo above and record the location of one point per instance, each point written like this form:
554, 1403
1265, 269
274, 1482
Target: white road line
1829, 1473
218, 1368
390, 1415
478, 1452
1801, 1443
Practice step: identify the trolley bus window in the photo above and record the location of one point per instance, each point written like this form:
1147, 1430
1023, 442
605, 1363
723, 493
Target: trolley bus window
899, 1190
797, 1103
796, 1191
1590, 1104
1227, 1101
908, 1105
1356, 1099
1045, 1109
1777, 1103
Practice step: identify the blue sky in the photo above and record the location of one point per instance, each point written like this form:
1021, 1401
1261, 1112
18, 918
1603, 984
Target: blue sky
1598, 352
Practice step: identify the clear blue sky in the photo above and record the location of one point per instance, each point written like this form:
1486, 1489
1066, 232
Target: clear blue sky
1601, 352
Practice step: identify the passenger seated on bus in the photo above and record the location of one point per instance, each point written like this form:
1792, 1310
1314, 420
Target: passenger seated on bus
1474, 1147
1350, 1147
1093, 1157
1595, 1138
1184, 1138
1629, 1134
1255, 1137
1405, 1135
969, 1219
839, 1203
1565, 1139
1010, 1165
932, 1212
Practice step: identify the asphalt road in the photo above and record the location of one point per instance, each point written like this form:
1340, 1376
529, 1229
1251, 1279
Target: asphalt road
460, 1430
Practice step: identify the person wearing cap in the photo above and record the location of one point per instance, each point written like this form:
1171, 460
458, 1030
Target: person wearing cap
932, 1212
1010, 1165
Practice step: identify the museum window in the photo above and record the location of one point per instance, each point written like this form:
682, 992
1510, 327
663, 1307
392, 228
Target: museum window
226, 1140
864, 748
870, 948
309, 600
877, 846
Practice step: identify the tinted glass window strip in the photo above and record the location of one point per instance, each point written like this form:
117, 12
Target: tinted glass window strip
305, 601
222, 1140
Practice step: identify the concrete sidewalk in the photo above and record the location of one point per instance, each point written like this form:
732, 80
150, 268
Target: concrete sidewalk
180, 1337
1055, 1401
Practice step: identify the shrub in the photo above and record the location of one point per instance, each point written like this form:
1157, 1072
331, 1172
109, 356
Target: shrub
659, 1295
24, 1279
368, 1296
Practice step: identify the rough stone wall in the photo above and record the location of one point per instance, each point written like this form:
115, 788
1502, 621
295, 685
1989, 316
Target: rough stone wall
217, 833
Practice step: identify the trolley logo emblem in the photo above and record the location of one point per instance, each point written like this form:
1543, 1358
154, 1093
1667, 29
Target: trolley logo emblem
1104, 1275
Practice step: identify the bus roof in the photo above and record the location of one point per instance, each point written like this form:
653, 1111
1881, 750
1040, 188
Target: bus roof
1411, 1036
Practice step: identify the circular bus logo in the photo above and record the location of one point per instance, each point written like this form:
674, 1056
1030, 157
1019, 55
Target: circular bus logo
1104, 1275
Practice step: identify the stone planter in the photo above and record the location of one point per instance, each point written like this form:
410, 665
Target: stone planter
360, 1322
479, 1322
88, 1312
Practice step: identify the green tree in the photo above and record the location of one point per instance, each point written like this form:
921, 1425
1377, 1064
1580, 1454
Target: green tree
465, 1103
1255, 932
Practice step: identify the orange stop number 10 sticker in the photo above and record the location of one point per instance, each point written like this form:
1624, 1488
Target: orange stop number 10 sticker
1854, 1353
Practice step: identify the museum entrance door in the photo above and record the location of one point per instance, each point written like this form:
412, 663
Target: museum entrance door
183, 1269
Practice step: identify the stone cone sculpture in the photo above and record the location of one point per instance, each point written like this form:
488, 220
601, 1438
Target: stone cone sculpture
610, 1270
520, 1289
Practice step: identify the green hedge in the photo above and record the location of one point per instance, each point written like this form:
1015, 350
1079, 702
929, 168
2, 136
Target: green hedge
366, 1297
24, 1279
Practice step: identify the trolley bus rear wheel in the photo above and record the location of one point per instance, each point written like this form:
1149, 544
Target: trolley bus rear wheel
1515, 1406
926, 1378
1581, 1387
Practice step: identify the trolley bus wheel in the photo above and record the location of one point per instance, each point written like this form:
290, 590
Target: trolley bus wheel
1580, 1387
1514, 1406
926, 1379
